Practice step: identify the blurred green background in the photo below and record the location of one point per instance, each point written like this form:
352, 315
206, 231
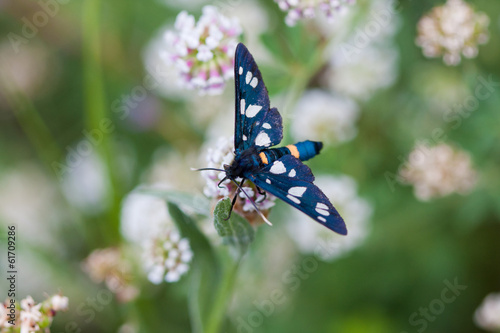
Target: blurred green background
65, 79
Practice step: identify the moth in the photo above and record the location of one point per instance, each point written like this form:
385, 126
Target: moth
278, 171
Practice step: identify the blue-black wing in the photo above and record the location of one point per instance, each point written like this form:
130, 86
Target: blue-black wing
292, 181
256, 124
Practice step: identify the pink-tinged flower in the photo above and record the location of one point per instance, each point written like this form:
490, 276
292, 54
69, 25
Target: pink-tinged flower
216, 158
4, 315
167, 256
452, 30
438, 171
30, 315
108, 265
306, 9
203, 51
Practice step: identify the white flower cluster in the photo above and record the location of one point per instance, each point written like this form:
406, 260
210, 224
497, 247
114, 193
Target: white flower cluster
216, 158
364, 58
322, 116
145, 221
203, 51
438, 171
452, 30
487, 316
33, 318
167, 257
360, 75
313, 238
300, 9
108, 265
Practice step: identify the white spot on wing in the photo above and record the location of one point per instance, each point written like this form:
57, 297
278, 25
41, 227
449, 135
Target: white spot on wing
322, 209
294, 199
254, 82
322, 219
266, 125
244, 137
248, 77
323, 212
278, 168
292, 173
242, 106
321, 205
268, 181
253, 110
297, 191
263, 140
240, 71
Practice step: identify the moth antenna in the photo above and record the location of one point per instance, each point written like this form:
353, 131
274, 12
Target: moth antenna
253, 203
207, 169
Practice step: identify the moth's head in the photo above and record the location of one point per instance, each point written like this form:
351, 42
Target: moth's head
231, 170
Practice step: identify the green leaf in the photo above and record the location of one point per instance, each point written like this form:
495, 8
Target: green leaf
196, 203
236, 231
206, 268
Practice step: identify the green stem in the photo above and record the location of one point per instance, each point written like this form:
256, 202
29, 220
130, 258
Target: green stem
303, 75
222, 299
42, 140
96, 107
33, 125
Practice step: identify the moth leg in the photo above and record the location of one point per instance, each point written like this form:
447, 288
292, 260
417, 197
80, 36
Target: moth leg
261, 192
233, 202
223, 179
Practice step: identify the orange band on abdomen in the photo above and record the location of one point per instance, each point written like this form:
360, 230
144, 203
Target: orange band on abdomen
263, 157
293, 150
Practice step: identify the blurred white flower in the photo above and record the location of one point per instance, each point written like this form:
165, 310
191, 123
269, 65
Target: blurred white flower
171, 169
128, 328
85, 184
487, 316
221, 117
167, 256
30, 200
254, 20
452, 30
164, 73
191, 4
59, 303
313, 238
367, 23
203, 52
109, 266
216, 158
322, 116
359, 75
142, 217
302, 9
438, 171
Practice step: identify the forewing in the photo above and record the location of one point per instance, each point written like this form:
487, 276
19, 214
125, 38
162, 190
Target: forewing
255, 123
292, 181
